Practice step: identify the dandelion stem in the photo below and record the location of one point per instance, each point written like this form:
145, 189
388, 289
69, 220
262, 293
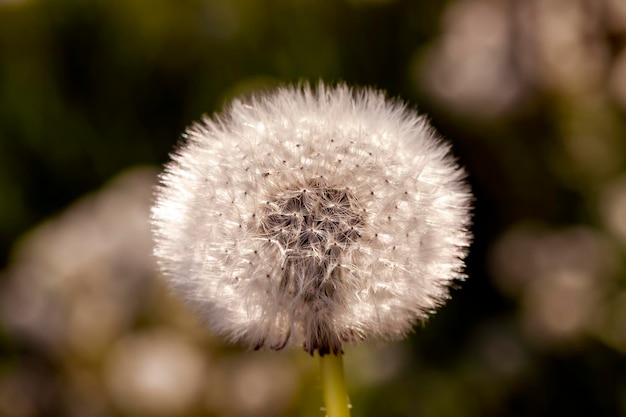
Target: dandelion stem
334, 386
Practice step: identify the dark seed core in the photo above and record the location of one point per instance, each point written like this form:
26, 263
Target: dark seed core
312, 220
313, 224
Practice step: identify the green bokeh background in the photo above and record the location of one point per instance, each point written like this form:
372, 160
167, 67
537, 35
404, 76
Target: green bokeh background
532, 98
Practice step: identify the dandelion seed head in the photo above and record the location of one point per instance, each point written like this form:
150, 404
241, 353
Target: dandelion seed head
314, 217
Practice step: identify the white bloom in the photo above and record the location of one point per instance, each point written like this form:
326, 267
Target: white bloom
312, 216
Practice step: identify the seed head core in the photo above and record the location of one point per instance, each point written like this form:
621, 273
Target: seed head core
312, 220
313, 224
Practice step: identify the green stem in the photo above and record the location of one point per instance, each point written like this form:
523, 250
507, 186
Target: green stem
334, 386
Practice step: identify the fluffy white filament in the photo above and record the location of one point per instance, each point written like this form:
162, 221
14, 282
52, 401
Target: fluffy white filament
312, 216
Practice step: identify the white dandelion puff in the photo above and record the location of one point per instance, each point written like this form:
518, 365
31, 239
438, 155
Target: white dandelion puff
314, 217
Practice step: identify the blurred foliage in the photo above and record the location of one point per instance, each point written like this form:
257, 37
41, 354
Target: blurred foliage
531, 94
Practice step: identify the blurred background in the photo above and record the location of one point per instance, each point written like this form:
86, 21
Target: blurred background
94, 94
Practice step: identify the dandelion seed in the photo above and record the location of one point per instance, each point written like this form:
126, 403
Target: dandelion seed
314, 217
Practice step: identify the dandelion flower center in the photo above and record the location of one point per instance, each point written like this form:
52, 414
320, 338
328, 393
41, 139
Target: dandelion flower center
313, 225
315, 221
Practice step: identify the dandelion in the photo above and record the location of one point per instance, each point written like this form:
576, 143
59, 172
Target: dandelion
317, 217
